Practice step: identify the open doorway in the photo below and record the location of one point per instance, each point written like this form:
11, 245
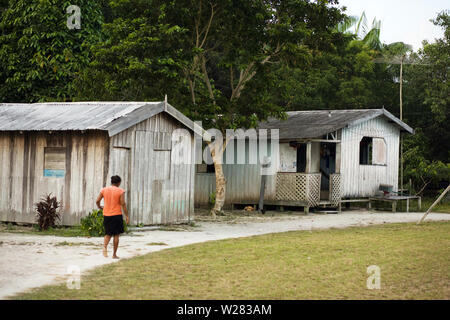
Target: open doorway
327, 167
301, 157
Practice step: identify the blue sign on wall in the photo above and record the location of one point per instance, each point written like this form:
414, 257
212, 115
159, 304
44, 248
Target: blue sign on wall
54, 173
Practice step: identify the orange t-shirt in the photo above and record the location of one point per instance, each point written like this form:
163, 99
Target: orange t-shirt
111, 196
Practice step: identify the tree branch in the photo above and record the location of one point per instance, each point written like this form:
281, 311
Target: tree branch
207, 27
206, 79
247, 75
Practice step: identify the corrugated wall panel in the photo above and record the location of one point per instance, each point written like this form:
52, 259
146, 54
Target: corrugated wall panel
243, 182
364, 180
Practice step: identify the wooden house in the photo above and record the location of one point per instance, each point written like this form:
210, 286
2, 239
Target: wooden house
72, 149
322, 157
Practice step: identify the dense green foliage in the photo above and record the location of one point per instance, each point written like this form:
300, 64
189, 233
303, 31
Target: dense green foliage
230, 63
39, 55
210, 57
345, 78
92, 224
427, 109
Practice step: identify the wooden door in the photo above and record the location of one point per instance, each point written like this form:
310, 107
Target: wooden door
151, 172
119, 165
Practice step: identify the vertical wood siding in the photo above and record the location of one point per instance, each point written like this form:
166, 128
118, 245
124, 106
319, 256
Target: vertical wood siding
22, 182
364, 180
157, 173
161, 184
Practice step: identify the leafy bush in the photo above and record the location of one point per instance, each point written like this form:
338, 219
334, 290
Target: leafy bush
422, 171
212, 198
92, 224
47, 212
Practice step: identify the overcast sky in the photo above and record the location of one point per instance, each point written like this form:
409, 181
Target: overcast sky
401, 20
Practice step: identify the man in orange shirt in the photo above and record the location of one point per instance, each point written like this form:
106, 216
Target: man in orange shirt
114, 200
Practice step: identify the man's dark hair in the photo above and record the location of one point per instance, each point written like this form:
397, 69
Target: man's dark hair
115, 179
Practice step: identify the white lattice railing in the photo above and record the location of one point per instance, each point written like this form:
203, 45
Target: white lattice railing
335, 188
299, 187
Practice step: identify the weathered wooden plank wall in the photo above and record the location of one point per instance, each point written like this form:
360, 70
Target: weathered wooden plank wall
363, 180
22, 181
161, 183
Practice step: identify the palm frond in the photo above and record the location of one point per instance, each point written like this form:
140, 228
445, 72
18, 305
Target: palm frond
361, 27
347, 24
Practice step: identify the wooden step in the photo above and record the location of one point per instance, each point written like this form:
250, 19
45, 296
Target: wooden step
327, 211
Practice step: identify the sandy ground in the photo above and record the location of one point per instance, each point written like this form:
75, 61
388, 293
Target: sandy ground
29, 261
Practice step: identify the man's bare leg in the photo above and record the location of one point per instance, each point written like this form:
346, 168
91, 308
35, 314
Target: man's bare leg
105, 245
116, 245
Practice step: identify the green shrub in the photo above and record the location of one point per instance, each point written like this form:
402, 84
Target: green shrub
212, 198
92, 224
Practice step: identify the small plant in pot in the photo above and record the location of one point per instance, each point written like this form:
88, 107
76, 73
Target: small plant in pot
47, 212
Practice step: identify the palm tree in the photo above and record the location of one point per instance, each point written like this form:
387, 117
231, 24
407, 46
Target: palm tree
360, 28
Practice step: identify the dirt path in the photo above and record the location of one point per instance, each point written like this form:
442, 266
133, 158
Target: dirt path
29, 261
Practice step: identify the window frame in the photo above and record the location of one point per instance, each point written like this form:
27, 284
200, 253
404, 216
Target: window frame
370, 152
49, 170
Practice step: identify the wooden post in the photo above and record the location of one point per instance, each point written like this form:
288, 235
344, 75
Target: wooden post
435, 203
407, 205
265, 165
338, 158
401, 118
308, 157
261, 194
401, 164
419, 202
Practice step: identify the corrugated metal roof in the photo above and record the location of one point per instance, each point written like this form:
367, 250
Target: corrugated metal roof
113, 117
317, 123
66, 116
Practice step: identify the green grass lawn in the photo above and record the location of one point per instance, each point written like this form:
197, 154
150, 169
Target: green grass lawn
330, 264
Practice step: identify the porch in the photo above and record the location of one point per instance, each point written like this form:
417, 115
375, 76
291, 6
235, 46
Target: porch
304, 189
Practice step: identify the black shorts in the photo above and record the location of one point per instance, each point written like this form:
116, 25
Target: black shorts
113, 224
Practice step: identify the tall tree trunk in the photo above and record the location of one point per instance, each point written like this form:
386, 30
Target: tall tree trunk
217, 151
221, 183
